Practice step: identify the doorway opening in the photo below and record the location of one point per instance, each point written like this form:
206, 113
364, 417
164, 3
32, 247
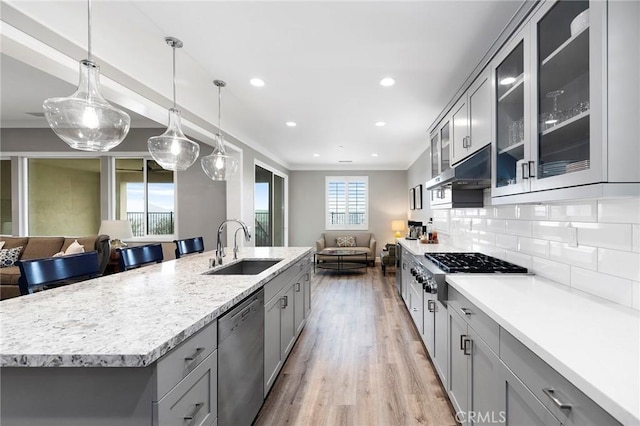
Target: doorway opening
269, 208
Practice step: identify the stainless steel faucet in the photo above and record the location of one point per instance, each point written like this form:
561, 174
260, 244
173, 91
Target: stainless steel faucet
220, 247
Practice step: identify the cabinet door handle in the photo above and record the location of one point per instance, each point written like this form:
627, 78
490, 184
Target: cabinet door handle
525, 173
466, 142
194, 412
414, 309
431, 305
465, 347
532, 168
466, 311
195, 354
462, 338
297, 287
550, 392
285, 302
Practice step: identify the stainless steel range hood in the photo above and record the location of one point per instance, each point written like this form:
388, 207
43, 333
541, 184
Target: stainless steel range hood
466, 181
474, 173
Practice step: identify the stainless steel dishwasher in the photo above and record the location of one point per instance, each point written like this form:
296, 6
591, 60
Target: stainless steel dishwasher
241, 362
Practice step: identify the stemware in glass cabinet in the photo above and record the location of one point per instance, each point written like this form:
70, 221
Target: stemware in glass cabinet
563, 89
510, 117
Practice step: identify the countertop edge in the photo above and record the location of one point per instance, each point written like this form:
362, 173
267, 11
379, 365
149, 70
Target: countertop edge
143, 360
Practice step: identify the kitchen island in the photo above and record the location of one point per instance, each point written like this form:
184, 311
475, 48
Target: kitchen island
127, 322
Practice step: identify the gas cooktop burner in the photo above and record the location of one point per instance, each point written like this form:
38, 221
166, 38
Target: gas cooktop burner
472, 263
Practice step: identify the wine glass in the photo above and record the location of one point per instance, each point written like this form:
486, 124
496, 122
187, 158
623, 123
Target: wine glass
554, 117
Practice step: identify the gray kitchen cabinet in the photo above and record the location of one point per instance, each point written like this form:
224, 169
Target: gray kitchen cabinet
474, 387
471, 119
441, 342
521, 407
406, 276
285, 315
415, 305
458, 364
182, 383
298, 303
279, 329
561, 398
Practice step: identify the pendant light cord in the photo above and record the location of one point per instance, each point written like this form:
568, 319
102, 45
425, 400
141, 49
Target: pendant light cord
219, 110
174, 77
90, 57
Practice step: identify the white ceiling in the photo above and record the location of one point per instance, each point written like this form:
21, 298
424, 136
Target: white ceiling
321, 62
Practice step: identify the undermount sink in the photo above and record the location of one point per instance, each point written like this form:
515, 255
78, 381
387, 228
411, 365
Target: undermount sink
244, 267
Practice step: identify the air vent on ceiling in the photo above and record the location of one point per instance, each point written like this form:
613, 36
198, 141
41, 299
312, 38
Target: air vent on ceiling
36, 114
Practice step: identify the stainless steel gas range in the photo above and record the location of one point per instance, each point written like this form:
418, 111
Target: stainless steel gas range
435, 267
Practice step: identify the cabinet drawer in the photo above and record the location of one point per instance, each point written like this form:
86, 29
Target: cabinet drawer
484, 326
182, 360
537, 375
194, 400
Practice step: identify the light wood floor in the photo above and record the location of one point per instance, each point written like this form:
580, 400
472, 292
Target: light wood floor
359, 361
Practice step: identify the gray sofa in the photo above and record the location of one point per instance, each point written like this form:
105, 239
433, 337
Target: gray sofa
364, 241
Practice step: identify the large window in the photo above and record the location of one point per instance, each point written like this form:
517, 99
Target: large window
347, 204
145, 195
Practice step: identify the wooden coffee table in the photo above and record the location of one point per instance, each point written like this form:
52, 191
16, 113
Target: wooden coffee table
341, 262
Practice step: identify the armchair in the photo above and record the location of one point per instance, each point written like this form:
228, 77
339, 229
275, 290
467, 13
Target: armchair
388, 257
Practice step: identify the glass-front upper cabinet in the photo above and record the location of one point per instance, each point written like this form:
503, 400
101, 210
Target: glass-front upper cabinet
564, 75
435, 154
548, 99
511, 85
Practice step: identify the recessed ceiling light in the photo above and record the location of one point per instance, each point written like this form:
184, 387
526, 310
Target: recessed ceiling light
387, 81
380, 123
257, 82
374, 155
316, 155
340, 147
507, 81
291, 124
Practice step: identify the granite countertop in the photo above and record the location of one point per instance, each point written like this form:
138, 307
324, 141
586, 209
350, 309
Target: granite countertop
128, 319
593, 343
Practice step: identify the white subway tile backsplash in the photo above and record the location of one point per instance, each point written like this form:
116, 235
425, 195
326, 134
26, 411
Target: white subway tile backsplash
533, 246
532, 211
576, 211
582, 256
625, 210
487, 212
509, 242
519, 227
506, 212
482, 237
518, 258
603, 260
618, 290
555, 271
616, 236
496, 225
624, 264
552, 231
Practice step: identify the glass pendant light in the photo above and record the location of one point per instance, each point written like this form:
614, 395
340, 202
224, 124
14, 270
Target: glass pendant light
172, 149
218, 165
85, 120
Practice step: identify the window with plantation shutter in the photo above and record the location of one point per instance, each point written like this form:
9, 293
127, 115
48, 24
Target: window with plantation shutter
347, 205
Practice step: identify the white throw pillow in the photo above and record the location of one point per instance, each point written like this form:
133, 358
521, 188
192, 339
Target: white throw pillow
74, 248
58, 254
346, 242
